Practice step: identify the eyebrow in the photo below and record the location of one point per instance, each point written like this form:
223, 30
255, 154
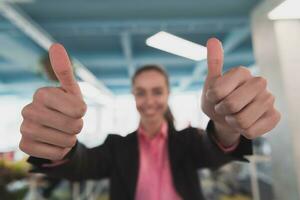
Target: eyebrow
154, 88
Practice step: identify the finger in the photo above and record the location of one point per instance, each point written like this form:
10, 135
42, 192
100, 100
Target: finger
214, 58
42, 150
226, 84
56, 99
241, 97
47, 135
63, 69
252, 112
264, 124
52, 119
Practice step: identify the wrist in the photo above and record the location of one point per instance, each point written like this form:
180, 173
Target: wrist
226, 135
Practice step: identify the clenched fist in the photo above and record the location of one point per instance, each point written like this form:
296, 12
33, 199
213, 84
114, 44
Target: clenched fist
236, 101
54, 117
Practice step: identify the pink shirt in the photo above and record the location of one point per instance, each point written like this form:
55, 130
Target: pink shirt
155, 181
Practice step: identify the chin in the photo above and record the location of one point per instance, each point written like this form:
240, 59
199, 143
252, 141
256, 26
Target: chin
151, 118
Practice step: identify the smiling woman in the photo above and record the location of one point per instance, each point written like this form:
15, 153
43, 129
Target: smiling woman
151, 91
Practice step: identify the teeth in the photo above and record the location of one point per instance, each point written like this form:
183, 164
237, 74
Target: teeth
150, 111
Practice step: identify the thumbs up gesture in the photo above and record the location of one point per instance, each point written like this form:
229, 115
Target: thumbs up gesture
237, 102
54, 117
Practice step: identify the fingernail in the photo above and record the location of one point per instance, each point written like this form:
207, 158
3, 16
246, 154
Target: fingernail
219, 108
229, 119
240, 130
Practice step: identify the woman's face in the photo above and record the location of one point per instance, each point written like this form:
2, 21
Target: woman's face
151, 95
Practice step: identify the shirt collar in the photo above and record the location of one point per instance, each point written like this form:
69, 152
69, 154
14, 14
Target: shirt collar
163, 131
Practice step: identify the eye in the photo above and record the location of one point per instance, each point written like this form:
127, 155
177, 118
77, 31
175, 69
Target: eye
157, 92
139, 93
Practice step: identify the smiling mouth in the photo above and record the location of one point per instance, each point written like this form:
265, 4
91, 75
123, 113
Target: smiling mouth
150, 113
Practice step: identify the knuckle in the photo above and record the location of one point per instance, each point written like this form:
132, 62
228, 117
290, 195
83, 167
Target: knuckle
23, 146
80, 110
217, 83
61, 155
241, 121
230, 105
26, 111
271, 99
31, 133
40, 94
249, 135
277, 117
58, 155
204, 108
77, 126
243, 70
30, 112
24, 128
215, 93
71, 142
261, 81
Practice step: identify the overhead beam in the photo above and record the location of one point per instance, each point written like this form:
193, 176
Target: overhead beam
118, 60
235, 38
20, 54
108, 27
18, 1
26, 25
127, 50
198, 73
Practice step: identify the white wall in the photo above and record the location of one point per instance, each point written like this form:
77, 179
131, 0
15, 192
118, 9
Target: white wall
276, 47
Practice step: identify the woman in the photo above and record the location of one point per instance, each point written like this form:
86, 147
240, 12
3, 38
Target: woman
155, 161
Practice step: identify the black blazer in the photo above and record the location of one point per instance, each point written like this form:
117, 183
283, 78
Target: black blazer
118, 159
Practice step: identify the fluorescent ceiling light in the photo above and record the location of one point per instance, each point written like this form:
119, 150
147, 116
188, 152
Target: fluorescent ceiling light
289, 9
178, 46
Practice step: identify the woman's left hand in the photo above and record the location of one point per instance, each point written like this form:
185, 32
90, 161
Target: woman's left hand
237, 102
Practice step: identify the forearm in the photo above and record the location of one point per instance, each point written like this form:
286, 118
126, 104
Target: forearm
207, 151
83, 163
67, 168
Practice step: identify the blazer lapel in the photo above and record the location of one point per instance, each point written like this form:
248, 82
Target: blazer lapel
132, 163
175, 156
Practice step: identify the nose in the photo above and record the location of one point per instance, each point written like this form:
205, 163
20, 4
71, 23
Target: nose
149, 100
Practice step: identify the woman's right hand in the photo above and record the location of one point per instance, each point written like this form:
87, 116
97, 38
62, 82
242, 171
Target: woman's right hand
54, 117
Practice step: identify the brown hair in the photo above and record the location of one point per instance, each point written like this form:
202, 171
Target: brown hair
158, 68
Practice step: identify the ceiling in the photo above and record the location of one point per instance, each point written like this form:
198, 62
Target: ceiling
108, 38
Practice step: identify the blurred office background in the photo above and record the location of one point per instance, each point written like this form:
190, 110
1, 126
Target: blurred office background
106, 40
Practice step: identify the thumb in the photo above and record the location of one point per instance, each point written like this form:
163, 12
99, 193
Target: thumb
215, 58
63, 69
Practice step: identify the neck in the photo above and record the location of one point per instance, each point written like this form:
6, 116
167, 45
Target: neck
153, 127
